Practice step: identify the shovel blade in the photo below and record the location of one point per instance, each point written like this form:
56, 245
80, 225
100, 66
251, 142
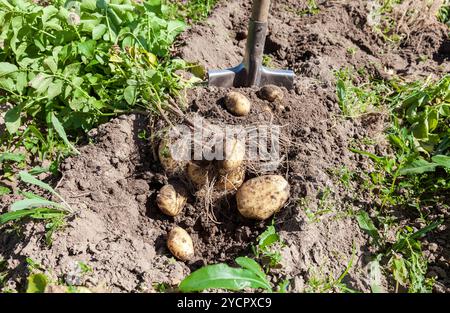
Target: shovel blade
238, 77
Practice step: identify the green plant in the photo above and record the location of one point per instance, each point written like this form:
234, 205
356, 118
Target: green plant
67, 67
267, 248
312, 8
193, 10
319, 283
250, 274
38, 208
444, 13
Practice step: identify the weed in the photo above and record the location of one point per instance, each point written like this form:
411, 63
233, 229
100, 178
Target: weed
444, 13
312, 8
267, 60
267, 248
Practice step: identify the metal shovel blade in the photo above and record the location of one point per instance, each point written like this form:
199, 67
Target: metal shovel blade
238, 77
251, 72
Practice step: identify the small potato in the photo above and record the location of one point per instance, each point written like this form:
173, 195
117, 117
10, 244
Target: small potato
234, 155
271, 93
180, 244
171, 199
237, 104
200, 174
169, 163
261, 197
231, 180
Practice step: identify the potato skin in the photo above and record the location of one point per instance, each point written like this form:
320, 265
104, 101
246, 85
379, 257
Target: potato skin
200, 174
230, 180
171, 199
234, 155
271, 93
237, 104
261, 197
180, 244
170, 165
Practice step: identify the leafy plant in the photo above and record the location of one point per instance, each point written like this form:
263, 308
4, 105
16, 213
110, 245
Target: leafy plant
38, 208
267, 247
67, 67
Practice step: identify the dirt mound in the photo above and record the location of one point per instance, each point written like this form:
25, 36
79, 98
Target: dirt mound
120, 233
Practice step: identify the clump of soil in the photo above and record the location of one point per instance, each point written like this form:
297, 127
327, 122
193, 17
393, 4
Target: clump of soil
119, 231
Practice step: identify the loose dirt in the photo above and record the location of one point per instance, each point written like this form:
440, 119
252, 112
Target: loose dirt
119, 231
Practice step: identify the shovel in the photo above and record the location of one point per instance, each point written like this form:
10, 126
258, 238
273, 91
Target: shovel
251, 72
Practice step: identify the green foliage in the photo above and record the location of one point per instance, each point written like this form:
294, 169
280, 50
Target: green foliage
267, 247
444, 13
222, 276
68, 67
192, 10
36, 283
38, 208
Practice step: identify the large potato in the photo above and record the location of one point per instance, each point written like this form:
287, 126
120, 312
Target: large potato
261, 197
171, 199
230, 180
234, 154
170, 164
237, 103
180, 244
200, 173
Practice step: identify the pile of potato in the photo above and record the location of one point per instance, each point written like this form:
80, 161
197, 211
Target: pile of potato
257, 198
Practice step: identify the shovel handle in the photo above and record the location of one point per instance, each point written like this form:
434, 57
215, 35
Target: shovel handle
260, 10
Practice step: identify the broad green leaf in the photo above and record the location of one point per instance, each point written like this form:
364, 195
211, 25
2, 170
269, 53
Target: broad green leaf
51, 64
48, 12
17, 215
21, 82
7, 68
442, 160
130, 94
253, 266
366, 224
268, 237
34, 203
420, 129
89, 5
221, 276
98, 31
30, 179
375, 277
7, 83
54, 89
418, 166
14, 157
62, 133
87, 48
12, 119
40, 82
36, 283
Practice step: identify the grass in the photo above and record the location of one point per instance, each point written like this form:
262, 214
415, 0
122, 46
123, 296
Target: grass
411, 181
444, 13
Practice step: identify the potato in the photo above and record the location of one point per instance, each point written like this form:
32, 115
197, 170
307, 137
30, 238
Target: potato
230, 180
234, 154
200, 173
171, 166
237, 104
171, 199
180, 244
261, 197
271, 93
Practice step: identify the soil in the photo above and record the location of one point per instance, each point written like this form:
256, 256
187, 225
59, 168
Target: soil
118, 230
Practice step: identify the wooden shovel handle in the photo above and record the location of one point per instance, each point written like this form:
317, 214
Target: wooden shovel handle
260, 10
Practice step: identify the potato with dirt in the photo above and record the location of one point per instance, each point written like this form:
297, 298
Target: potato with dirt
200, 173
237, 104
230, 180
233, 155
271, 93
180, 244
261, 197
171, 199
171, 165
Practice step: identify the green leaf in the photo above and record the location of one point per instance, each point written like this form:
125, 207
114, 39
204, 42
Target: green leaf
442, 160
12, 119
130, 94
375, 277
55, 89
418, 166
61, 132
98, 31
34, 203
366, 224
40, 82
221, 276
29, 179
420, 129
14, 157
4, 190
7, 68
51, 64
36, 283
34, 213
253, 266
87, 48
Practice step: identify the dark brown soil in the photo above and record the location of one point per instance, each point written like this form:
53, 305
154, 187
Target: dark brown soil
120, 233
